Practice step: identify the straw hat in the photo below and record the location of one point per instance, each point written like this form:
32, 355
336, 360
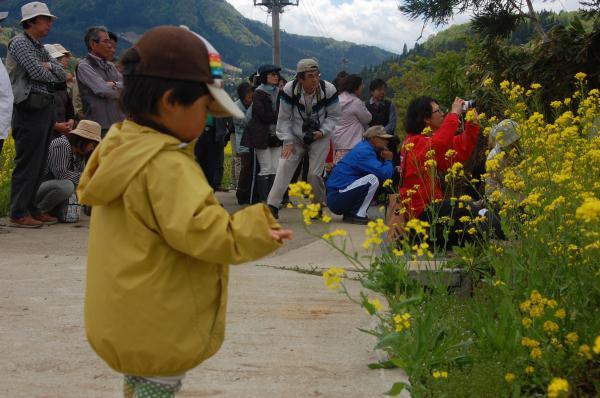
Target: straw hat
88, 129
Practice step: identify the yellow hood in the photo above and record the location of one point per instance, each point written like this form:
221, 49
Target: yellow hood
124, 151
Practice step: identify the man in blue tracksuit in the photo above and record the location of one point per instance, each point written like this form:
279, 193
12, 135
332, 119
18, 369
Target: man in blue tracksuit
353, 182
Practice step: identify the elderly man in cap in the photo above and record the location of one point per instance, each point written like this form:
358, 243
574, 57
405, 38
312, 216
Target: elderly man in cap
353, 182
34, 76
99, 80
6, 98
308, 113
66, 160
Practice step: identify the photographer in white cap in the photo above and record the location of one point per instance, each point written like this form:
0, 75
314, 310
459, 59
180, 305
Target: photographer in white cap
308, 113
34, 76
6, 98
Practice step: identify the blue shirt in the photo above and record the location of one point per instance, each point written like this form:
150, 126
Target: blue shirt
357, 163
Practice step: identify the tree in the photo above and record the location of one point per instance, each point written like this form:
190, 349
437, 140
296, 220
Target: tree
404, 50
496, 18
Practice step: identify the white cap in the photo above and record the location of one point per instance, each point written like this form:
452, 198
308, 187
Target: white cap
34, 9
3, 15
54, 53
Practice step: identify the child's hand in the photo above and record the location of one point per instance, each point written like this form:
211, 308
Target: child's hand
281, 234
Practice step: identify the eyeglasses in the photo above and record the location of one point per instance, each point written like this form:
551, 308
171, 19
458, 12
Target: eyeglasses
105, 41
441, 111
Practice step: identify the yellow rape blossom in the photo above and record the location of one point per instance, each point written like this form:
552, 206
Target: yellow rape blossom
584, 351
535, 353
509, 377
402, 321
333, 277
440, 374
337, 232
376, 304
527, 322
529, 370
572, 338
558, 387
589, 211
550, 327
580, 76
597, 345
560, 313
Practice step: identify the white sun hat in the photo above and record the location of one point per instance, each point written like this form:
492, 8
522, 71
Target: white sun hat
34, 9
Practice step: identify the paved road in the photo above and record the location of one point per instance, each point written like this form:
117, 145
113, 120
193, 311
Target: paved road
287, 335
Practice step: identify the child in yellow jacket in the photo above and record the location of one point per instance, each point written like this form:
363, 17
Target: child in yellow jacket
160, 242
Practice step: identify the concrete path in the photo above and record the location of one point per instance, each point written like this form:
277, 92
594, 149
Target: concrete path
287, 335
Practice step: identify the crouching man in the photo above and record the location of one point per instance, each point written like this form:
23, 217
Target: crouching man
353, 182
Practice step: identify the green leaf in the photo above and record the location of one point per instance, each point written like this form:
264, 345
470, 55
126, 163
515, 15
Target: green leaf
396, 389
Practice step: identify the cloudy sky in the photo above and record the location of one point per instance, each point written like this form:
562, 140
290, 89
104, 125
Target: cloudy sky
373, 22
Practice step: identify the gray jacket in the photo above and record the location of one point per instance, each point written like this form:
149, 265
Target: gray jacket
100, 83
24, 65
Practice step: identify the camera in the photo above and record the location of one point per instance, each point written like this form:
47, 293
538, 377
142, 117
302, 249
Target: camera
309, 126
468, 104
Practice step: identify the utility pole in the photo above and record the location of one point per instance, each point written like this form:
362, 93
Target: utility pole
275, 7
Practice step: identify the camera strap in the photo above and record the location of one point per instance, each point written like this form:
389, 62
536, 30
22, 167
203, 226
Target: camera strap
297, 93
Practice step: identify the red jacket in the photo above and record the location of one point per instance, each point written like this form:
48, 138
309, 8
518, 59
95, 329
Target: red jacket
415, 176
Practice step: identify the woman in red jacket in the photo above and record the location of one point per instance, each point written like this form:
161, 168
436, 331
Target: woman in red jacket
432, 145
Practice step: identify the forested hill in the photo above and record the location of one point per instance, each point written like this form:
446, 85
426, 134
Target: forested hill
243, 43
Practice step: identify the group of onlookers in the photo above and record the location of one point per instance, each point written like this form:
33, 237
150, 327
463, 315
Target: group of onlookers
57, 117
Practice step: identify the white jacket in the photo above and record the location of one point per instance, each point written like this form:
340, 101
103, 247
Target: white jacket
6, 102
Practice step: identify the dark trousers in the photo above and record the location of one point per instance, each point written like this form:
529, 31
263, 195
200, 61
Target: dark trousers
208, 156
1, 145
32, 130
457, 234
245, 179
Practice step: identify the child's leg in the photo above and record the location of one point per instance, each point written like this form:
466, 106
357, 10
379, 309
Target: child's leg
152, 387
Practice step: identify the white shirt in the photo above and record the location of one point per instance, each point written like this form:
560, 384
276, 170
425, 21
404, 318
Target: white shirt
6, 102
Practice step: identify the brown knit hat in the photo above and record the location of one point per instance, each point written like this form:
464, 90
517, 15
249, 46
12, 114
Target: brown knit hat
176, 53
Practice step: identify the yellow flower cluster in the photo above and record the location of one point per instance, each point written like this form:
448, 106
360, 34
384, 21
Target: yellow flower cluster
312, 211
589, 211
402, 321
333, 277
536, 304
558, 387
376, 304
374, 231
440, 374
337, 232
509, 377
387, 183
300, 189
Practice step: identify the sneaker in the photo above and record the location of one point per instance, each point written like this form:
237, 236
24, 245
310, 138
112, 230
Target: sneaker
354, 219
274, 211
46, 219
24, 222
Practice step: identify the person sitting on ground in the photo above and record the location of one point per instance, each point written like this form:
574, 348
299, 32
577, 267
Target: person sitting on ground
67, 156
244, 159
160, 242
432, 145
64, 113
354, 118
259, 133
503, 137
353, 182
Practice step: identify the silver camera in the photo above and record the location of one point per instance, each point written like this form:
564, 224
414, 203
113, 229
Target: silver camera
468, 104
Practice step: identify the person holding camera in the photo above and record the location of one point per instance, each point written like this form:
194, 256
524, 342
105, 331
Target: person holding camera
432, 145
260, 130
353, 182
308, 113
34, 76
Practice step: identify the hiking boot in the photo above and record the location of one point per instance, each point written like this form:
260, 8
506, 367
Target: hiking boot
24, 222
46, 219
274, 211
354, 219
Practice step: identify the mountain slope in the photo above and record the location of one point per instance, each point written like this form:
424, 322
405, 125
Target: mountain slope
242, 42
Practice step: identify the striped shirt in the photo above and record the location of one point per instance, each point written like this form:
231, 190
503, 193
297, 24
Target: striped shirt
62, 163
30, 54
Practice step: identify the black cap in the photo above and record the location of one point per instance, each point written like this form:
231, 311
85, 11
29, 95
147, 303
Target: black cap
268, 68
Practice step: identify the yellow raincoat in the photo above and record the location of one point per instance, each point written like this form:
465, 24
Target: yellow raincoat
159, 243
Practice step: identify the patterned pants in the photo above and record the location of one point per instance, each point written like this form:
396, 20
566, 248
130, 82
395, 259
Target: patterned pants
155, 387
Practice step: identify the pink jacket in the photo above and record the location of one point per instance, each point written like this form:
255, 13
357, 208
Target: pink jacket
352, 122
